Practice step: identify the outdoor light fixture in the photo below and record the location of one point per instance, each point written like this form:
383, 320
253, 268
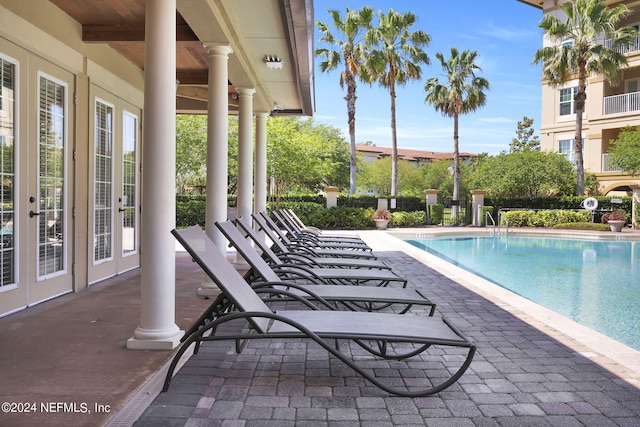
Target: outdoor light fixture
273, 62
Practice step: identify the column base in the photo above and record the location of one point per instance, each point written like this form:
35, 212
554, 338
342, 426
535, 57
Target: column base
145, 339
208, 289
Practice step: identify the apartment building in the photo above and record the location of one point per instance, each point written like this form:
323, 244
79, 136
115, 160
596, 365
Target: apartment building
369, 153
608, 110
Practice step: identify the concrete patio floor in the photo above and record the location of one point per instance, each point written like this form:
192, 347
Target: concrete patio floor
532, 368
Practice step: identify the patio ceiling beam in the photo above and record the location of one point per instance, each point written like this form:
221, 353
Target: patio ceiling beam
129, 33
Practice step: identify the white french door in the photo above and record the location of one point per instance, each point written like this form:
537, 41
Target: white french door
114, 188
13, 294
47, 214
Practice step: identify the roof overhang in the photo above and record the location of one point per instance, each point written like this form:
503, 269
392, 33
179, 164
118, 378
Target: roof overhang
253, 30
535, 3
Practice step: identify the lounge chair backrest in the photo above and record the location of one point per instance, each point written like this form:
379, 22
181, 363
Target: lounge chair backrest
271, 224
286, 225
220, 270
294, 218
259, 242
259, 219
247, 251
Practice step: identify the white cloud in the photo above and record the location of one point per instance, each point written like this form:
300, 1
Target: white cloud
508, 34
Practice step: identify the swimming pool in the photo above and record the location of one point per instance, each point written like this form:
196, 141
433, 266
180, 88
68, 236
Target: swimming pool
593, 282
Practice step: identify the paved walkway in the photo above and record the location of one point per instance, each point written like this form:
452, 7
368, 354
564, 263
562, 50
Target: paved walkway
531, 369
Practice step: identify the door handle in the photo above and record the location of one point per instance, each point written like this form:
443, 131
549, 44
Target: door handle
32, 214
121, 209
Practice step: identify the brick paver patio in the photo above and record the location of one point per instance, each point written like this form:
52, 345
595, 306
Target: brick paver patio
524, 374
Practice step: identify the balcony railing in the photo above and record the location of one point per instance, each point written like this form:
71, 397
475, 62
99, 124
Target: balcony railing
607, 166
624, 103
634, 47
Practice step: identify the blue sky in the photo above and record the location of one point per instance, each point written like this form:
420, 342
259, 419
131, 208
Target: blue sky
505, 34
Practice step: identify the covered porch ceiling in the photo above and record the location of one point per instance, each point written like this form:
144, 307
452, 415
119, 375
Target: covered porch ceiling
255, 30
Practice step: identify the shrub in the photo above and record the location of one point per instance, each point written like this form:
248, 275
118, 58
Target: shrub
190, 212
517, 218
341, 218
408, 219
544, 218
436, 213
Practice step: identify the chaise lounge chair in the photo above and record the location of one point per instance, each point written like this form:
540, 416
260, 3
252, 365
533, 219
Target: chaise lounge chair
309, 229
352, 297
292, 227
351, 276
283, 244
289, 238
286, 255
380, 334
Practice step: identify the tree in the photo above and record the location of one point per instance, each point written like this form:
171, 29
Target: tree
302, 156
578, 48
395, 58
462, 93
349, 51
191, 150
525, 139
376, 176
625, 151
527, 173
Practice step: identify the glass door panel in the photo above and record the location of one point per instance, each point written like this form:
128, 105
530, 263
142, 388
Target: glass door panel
129, 200
103, 185
51, 177
8, 71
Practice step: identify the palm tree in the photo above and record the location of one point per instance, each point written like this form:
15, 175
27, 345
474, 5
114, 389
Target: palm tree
349, 51
577, 48
462, 93
395, 58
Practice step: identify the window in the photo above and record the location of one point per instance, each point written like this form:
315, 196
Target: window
567, 101
567, 147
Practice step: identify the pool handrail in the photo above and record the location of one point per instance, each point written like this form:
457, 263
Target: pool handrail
506, 221
488, 216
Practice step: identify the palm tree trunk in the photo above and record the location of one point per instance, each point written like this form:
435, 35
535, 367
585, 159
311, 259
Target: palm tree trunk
394, 138
580, 99
456, 170
351, 117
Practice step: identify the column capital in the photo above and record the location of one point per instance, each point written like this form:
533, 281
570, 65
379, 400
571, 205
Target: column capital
261, 114
245, 91
217, 48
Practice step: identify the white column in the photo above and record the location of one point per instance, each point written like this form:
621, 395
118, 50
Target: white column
217, 151
217, 141
157, 329
245, 154
260, 175
260, 166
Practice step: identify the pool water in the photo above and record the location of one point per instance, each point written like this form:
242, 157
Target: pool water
595, 283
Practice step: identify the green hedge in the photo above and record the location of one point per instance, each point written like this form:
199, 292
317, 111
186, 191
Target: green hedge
565, 202
436, 213
543, 218
190, 212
